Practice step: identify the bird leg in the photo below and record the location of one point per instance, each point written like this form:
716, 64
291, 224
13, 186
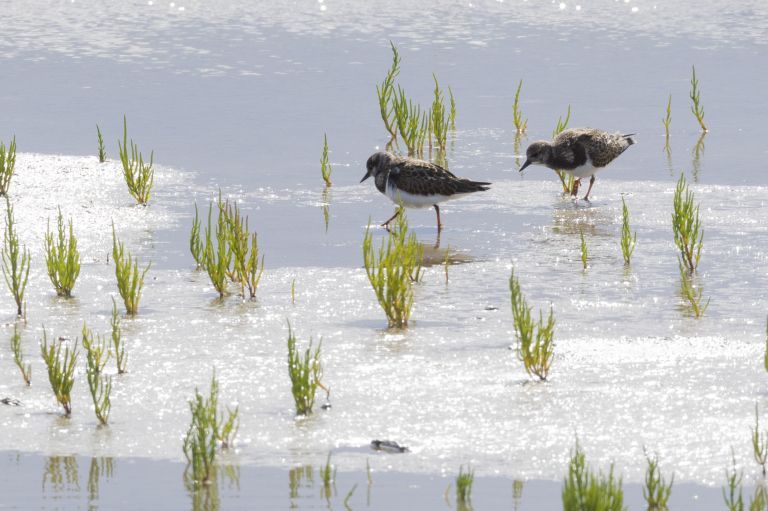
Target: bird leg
591, 182
439, 225
575, 188
386, 224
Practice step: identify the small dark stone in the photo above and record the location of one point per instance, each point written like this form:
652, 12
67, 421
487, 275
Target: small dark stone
326, 406
10, 401
491, 308
388, 446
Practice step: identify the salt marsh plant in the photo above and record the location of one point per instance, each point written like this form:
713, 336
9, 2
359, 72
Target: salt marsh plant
584, 252
246, 269
765, 355
129, 280
385, 93
695, 94
7, 166
325, 164
139, 176
759, 443
657, 490
566, 179
328, 476
686, 226
196, 246
587, 490
15, 260
667, 121
61, 370
453, 108
733, 496
517, 113
102, 149
692, 293
628, 238
208, 428
121, 358
217, 255
62, 258
305, 373
535, 348
393, 270
96, 356
18, 358
464, 483
412, 124
440, 121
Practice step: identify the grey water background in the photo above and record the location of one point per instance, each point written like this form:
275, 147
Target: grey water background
238, 95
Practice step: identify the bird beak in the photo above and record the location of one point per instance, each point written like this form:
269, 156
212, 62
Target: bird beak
366, 176
527, 162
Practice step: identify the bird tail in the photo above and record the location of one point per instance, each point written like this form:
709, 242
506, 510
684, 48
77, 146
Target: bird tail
473, 186
628, 138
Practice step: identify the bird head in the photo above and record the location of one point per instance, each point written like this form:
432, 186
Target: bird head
375, 164
537, 153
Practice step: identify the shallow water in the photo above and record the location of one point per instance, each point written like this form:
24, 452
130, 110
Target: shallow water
238, 97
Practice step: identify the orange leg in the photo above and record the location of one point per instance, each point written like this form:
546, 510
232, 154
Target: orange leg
439, 225
591, 182
386, 224
575, 189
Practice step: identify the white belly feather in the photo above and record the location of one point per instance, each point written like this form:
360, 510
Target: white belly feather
585, 170
411, 200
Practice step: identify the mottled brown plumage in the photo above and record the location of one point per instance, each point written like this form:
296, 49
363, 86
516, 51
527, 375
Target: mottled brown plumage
417, 183
578, 151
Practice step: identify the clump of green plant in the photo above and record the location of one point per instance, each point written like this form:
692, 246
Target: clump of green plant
129, 280
208, 427
759, 443
628, 238
587, 490
686, 226
97, 354
765, 356
535, 347
657, 490
667, 121
7, 166
217, 257
393, 270
138, 175
386, 91
247, 268
62, 257
584, 252
121, 358
305, 373
517, 113
566, 179
692, 293
411, 123
464, 483
15, 260
696, 108
733, 496
440, 122
325, 164
102, 149
26, 369
61, 370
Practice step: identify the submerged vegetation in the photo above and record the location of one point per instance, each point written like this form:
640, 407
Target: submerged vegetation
393, 270
667, 121
686, 226
535, 347
7, 165
129, 280
325, 164
18, 357
62, 257
692, 293
61, 370
464, 482
695, 94
139, 176
587, 490
16, 260
305, 373
121, 358
628, 238
584, 252
102, 149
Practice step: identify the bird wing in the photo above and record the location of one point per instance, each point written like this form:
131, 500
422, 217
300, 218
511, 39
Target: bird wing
570, 151
424, 178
